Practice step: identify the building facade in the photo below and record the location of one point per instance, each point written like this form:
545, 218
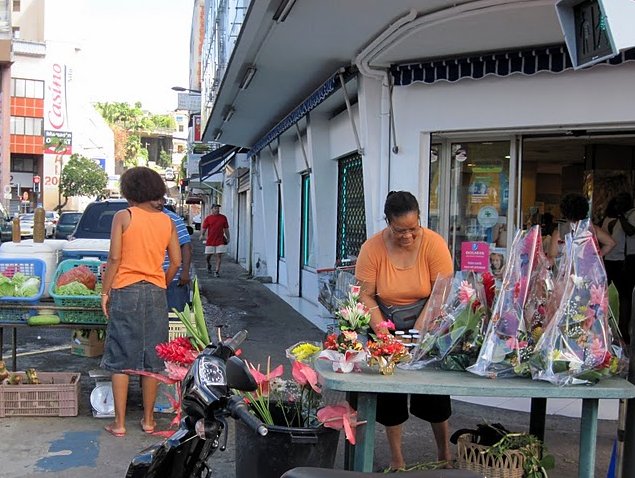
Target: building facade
475, 107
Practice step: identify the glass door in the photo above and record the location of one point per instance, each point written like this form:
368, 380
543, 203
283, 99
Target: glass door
471, 183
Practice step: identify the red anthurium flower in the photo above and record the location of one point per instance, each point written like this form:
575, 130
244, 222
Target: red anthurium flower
305, 375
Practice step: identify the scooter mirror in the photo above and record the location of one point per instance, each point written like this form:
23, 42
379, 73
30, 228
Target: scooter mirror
238, 376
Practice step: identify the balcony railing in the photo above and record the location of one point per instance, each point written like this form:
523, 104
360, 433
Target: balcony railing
29, 48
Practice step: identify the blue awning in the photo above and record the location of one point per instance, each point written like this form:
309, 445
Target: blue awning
212, 162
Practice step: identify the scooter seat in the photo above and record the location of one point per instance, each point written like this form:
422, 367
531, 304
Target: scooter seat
305, 472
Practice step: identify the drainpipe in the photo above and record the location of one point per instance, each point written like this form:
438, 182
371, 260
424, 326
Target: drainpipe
362, 61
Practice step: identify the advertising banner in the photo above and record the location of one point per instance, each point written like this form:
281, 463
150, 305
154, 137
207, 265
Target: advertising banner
58, 135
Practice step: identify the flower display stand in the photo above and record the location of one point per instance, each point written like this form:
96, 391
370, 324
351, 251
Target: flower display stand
282, 449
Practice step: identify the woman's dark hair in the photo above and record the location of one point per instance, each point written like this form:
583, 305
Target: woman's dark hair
399, 203
623, 203
548, 224
574, 207
141, 184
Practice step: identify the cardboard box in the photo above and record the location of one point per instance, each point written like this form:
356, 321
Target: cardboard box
86, 343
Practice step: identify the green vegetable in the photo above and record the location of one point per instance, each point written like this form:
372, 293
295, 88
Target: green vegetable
19, 285
74, 288
197, 331
43, 320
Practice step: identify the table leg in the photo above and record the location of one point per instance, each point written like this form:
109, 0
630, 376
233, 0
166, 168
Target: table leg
537, 417
588, 435
14, 349
349, 450
365, 446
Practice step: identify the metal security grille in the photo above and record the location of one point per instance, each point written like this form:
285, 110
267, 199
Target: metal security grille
351, 214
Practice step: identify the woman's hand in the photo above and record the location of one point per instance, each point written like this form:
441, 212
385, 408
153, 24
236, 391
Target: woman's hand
104, 304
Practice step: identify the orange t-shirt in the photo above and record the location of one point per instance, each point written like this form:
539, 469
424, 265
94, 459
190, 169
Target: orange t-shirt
143, 248
403, 286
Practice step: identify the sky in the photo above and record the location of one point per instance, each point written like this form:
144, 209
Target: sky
136, 50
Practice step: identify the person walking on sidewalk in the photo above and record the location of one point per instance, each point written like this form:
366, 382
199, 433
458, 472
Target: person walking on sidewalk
215, 235
133, 295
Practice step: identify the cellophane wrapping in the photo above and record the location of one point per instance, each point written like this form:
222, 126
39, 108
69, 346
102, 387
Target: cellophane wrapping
578, 346
519, 314
454, 324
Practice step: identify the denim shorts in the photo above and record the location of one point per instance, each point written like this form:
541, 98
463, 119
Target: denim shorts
178, 296
137, 322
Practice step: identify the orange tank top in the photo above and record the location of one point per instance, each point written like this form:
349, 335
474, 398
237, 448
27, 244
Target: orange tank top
143, 248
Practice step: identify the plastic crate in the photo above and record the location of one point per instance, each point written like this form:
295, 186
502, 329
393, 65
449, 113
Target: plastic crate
85, 301
29, 267
56, 396
176, 327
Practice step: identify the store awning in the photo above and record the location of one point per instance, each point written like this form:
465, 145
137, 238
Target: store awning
211, 163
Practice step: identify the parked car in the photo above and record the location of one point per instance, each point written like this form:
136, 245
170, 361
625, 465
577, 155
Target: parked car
50, 222
27, 222
6, 223
91, 237
66, 224
169, 174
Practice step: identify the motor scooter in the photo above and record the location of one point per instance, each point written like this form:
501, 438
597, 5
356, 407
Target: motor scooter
206, 403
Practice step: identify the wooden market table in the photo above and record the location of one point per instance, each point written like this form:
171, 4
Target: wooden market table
48, 307
362, 389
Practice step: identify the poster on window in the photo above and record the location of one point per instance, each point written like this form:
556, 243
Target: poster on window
484, 189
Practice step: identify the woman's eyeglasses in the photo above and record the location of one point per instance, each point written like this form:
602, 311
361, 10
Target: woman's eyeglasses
404, 232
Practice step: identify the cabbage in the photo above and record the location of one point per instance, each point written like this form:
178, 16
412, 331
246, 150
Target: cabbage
74, 288
29, 288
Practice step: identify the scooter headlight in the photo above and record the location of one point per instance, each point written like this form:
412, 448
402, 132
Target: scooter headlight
211, 372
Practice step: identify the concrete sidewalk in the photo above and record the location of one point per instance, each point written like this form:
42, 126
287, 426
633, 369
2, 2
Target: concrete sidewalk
78, 446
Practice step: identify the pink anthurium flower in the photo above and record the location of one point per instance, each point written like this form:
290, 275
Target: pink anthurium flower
305, 375
340, 416
263, 380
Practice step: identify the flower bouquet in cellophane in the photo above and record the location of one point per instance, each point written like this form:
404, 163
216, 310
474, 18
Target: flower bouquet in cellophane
386, 351
344, 351
353, 314
454, 322
578, 345
519, 314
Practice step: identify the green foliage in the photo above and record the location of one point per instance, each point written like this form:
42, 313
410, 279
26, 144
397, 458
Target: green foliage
165, 158
163, 121
81, 177
530, 447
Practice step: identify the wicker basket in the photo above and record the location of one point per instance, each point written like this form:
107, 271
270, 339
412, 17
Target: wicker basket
474, 457
29, 267
84, 301
56, 396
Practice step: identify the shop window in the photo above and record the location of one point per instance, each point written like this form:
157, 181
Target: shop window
479, 198
433, 197
23, 164
16, 5
351, 213
307, 249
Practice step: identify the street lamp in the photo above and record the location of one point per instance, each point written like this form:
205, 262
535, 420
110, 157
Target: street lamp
181, 88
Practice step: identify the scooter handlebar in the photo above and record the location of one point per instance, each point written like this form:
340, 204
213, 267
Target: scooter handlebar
239, 410
236, 340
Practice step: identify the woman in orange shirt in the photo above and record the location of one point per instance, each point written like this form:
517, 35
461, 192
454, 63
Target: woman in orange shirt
134, 291
398, 267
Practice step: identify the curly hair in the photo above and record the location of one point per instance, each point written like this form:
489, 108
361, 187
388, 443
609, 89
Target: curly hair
399, 203
574, 207
141, 184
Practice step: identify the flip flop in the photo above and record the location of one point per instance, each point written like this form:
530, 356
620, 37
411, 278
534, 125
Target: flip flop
113, 432
145, 428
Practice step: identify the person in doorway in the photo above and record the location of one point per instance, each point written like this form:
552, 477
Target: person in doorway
398, 267
497, 263
574, 208
133, 295
179, 288
215, 234
619, 222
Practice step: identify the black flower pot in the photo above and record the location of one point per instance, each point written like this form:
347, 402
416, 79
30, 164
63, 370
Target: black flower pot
282, 449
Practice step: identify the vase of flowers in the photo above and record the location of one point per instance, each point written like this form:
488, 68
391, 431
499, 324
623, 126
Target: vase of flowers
386, 351
344, 351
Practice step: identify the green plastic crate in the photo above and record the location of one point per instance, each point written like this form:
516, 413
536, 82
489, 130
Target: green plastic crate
84, 301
